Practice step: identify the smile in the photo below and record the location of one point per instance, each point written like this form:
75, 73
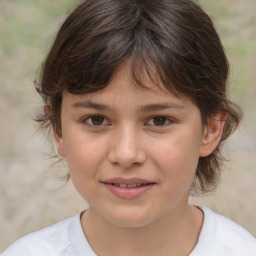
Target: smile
128, 185
128, 188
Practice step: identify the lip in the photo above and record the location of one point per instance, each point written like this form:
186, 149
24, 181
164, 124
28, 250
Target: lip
128, 192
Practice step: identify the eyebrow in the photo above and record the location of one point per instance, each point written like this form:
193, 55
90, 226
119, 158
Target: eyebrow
90, 104
161, 106
144, 108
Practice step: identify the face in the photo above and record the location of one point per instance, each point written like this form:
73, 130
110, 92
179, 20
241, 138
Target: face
132, 154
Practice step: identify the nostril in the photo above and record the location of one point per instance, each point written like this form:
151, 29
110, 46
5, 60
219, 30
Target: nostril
125, 159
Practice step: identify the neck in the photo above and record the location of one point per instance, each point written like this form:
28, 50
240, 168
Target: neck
174, 234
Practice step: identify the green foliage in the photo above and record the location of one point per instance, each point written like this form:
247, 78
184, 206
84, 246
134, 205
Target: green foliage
30, 23
216, 9
236, 26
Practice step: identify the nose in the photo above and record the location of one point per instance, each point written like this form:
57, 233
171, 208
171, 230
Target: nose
126, 148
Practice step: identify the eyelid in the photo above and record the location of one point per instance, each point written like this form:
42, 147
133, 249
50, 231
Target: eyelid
85, 121
106, 122
168, 119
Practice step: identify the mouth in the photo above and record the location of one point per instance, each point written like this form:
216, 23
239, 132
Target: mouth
128, 188
130, 185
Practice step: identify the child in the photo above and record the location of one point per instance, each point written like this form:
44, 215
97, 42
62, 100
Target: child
135, 93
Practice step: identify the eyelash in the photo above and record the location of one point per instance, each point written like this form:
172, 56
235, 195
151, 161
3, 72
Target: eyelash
164, 118
88, 121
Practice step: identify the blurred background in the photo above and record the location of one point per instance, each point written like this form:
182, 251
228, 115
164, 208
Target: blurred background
31, 196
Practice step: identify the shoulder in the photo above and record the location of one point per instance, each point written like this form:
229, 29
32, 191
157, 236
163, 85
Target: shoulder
221, 236
45, 241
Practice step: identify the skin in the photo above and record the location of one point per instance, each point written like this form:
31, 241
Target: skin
127, 140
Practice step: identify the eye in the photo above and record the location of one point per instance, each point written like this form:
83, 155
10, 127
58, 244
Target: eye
159, 121
96, 121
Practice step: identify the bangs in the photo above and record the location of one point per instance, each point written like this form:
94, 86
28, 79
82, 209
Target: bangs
92, 69
164, 42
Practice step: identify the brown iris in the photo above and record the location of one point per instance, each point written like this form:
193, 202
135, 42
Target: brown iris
159, 121
97, 120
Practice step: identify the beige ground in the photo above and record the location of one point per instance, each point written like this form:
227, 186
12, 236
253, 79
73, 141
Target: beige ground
31, 197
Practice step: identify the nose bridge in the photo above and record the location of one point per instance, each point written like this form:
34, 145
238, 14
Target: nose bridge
127, 140
127, 147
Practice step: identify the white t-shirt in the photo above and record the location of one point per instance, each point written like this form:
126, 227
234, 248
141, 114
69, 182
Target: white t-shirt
219, 237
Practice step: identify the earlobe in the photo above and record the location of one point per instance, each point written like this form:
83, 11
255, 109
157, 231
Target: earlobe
57, 135
212, 134
59, 143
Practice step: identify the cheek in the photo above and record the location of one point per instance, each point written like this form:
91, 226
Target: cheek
85, 155
177, 158
85, 158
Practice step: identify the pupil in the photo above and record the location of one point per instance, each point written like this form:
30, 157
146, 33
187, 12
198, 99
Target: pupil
97, 120
159, 121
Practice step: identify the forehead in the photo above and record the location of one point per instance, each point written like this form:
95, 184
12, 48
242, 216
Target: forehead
122, 91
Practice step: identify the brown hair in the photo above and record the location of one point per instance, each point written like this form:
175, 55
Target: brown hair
176, 37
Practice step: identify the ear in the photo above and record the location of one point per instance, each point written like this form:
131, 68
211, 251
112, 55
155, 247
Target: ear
59, 143
57, 134
212, 134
